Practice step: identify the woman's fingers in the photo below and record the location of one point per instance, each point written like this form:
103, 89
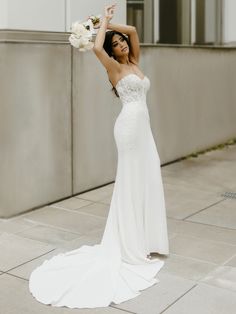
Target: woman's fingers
110, 8
109, 11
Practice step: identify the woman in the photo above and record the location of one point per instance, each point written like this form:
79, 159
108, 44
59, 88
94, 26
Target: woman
120, 266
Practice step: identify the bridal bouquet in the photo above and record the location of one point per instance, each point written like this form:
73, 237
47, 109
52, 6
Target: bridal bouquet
82, 33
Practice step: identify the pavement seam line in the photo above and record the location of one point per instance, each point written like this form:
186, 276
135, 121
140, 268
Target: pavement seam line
194, 286
204, 209
29, 261
201, 223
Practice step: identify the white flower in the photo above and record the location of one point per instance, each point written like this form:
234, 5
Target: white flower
88, 46
78, 29
74, 40
89, 26
82, 33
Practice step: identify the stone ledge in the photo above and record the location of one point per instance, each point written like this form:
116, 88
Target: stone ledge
20, 36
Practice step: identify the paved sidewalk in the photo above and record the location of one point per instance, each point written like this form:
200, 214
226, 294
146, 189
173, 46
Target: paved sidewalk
199, 275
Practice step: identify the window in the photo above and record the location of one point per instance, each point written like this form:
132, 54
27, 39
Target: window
140, 14
176, 21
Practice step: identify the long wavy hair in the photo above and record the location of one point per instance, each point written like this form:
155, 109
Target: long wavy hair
108, 48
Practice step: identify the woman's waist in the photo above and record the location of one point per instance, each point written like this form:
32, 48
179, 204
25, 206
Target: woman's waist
135, 108
135, 103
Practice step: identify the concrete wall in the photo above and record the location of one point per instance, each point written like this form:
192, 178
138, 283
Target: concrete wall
76, 11
52, 15
3, 13
35, 125
57, 114
43, 15
192, 98
229, 21
95, 109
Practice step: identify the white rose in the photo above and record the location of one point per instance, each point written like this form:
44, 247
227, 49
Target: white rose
78, 29
82, 35
74, 40
89, 27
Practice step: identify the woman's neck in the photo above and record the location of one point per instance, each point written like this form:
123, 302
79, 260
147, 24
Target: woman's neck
125, 60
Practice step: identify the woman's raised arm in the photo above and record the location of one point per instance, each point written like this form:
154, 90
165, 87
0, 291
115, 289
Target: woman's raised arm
133, 38
109, 63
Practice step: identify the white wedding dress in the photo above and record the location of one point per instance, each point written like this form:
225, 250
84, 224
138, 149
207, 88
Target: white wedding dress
118, 268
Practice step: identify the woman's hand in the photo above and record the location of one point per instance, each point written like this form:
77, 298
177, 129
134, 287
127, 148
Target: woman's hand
109, 11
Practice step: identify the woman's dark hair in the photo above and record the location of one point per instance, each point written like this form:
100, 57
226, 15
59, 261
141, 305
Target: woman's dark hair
108, 47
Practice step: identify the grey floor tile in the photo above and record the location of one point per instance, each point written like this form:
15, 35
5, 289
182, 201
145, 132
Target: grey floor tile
156, 298
97, 194
92, 238
184, 200
188, 268
231, 262
203, 231
48, 234
25, 270
205, 299
223, 277
106, 200
97, 209
202, 183
222, 215
206, 174
68, 220
89, 239
14, 225
24, 303
71, 203
207, 250
16, 250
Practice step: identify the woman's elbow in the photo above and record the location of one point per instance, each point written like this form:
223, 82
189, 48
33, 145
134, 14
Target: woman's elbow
97, 50
133, 29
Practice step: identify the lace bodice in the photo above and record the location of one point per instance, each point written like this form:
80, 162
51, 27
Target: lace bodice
131, 88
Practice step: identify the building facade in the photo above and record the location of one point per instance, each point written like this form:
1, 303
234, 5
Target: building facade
157, 21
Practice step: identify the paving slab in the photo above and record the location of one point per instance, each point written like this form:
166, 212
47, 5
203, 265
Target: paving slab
222, 215
182, 201
206, 174
223, 277
67, 220
97, 194
185, 267
205, 299
15, 298
71, 203
203, 231
16, 250
49, 235
205, 250
96, 209
91, 238
231, 262
106, 200
158, 297
14, 225
25, 270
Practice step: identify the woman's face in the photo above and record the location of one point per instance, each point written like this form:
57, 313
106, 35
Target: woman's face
120, 46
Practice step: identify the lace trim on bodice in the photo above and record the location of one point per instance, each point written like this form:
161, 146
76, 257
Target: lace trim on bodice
132, 88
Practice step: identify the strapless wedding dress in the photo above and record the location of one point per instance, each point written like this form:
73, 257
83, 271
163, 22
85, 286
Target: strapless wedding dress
118, 268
